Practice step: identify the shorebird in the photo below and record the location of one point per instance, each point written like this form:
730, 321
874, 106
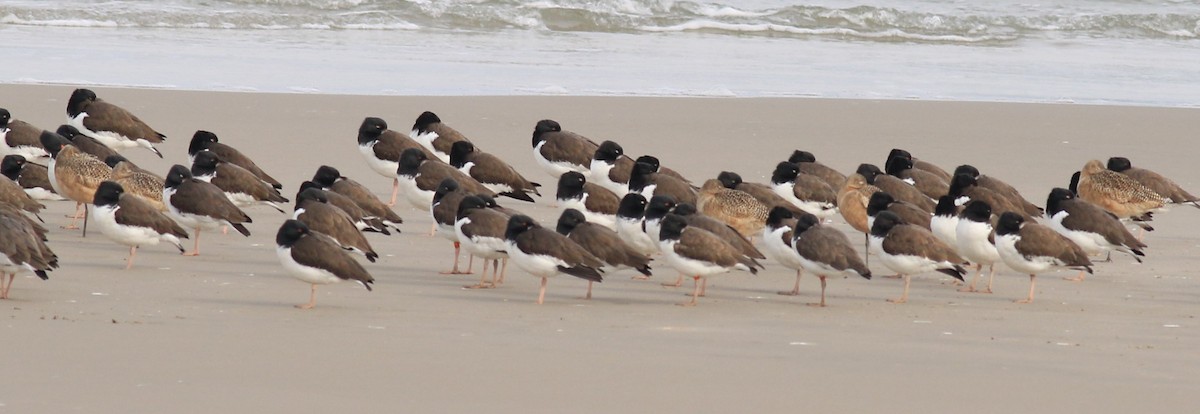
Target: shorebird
481, 231
1116, 192
110, 124
965, 188
825, 252
882, 201
809, 165
136, 181
919, 164
374, 210
689, 213
85, 143
777, 243
241, 186
602, 242
699, 254
313, 209
1160, 184
74, 174
764, 193
133, 221
558, 151
611, 168
382, 148
437, 137
909, 249
445, 213
930, 184
976, 242
944, 223
898, 188
852, 202
1031, 248
316, 259
200, 205
24, 249
205, 140
630, 224
492, 172
33, 178
1089, 226
738, 209
18, 137
1000, 188
12, 194
598, 204
647, 181
420, 176
807, 192
362, 220
545, 254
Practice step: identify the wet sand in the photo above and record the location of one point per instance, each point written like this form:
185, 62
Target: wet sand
219, 333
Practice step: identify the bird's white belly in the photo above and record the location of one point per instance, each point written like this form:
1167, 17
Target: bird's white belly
307, 274
538, 265
106, 219
385, 168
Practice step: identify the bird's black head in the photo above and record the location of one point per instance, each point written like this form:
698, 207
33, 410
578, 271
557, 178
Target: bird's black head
411, 160
960, 183
326, 176
777, 215
1073, 186
518, 225
176, 176
80, 98
1010, 223
609, 152
316, 195
307, 185
201, 140
489, 201
672, 227
803, 223
469, 203
291, 232
633, 206
53, 143
205, 163
978, 211
897, 165
868, 171
107, 194
11, 166
447, 186
945, 207
569, 220
570, 185
424, 121
5, 116
459, 151
785, 172
371, 129
1057, 196
67, 131
879, 202
112, 160
967, 169
1119, 164
799, 156
729, 179
884, 222
650, 159
542, 127
684, 209
897, 152
659, 206
642, 169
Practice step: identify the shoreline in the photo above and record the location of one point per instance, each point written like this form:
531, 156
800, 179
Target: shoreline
177, 331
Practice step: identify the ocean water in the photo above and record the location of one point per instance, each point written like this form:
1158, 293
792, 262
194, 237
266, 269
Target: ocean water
1129, 52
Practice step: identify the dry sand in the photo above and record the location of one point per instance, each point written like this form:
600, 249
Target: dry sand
218, 333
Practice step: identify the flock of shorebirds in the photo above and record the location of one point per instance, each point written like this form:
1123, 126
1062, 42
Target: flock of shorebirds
618, 212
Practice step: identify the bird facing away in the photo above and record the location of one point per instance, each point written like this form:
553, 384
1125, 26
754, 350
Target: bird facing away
242, 187
808, 164
492, 172
544, 253
908, 249
699, 254
930, 184
602, 242
420, 176
200, 205
33, 178
24, 249
647, 181
596, 203
1031, 248
437, 137
85, 143
313, 209
1001, 188
738, 209
375, 210
1160, 184
1090, 227
18, 137
920, 164
806, 192
110, 124
316, 259
1116, 192
898, 188
558, 151
205, 140
382, 148
133, 221
825, 252
481, 231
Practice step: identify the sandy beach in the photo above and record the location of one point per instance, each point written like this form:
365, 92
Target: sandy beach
218, 333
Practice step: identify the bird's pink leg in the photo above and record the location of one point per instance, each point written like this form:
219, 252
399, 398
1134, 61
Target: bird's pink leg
695, 293
196, 248
1082, 275
542, 292
483, 284
904, 297
795, 289
1032, 284
503, 271
822, 304
395, 192
455, 271
991, 277
678, 282
978, 274
312, 299
132, 254
589, 291
79, 211
4, 288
